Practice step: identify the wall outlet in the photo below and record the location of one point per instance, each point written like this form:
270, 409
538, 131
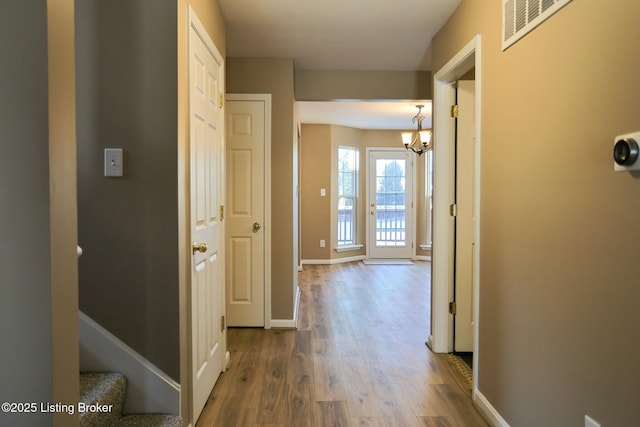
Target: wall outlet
323, 192
322, 243
590, 422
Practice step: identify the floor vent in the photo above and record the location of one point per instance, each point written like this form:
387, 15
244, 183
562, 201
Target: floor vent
521, 16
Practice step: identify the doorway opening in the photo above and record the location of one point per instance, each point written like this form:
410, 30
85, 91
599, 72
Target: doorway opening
444, 253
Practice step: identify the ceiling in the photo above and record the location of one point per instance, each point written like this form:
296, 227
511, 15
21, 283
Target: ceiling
379, 35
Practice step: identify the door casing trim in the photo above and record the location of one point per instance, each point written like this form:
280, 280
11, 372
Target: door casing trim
441, 338
414, 168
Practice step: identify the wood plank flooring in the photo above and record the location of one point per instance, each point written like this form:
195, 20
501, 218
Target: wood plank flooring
358, 358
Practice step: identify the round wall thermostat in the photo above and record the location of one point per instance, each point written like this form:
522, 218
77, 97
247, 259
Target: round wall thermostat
625, 152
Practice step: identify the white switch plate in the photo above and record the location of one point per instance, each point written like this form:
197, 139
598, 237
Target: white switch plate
323, 192
589, 422
113, 162
322, 243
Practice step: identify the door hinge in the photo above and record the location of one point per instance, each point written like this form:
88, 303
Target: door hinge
221, 100
452, 308
221, 212
223, 324
453, 209
454, 111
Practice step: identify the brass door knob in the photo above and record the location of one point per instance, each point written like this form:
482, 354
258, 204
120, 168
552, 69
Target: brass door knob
256, 226
199, 247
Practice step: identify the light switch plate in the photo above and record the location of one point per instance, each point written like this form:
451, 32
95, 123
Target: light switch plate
590, 422
113, 165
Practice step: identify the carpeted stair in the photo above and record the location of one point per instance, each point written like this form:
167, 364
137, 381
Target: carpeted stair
102, 397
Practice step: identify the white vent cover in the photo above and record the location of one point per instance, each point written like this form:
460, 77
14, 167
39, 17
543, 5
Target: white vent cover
521, 16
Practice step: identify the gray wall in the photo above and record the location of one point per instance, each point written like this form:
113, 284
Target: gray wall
127, 98
25, 290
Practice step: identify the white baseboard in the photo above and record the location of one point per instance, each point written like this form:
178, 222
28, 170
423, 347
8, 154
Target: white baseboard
423, 258
334, 260
488, 411
283, 324
429, 342
149, 390
289, 323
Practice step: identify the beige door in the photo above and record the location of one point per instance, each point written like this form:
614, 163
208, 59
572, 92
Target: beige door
207, 231
246, 129
465, 217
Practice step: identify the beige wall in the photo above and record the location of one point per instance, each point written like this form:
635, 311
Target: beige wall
315, 151
328, 85
63, 207
559, 294
275, 76
319, 170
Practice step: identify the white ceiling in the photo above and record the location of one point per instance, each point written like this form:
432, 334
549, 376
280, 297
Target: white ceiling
380, 35
376, 35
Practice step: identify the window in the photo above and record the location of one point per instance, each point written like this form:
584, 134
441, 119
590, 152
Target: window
347, 195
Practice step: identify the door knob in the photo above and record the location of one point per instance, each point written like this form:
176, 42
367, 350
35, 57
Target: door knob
256, 226
201, 247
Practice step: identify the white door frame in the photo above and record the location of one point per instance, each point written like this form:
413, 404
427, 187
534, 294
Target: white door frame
414, 193
441, 338
266, 98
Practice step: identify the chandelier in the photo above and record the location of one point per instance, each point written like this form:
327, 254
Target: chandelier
418, 141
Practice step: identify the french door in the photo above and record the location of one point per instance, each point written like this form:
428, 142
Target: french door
391, 205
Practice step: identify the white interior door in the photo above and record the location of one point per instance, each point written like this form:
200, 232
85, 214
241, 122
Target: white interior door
246, 136
391, 205
207, 232
465, 217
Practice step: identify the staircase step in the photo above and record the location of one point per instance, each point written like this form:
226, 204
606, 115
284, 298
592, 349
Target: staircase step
149, 420
102, 395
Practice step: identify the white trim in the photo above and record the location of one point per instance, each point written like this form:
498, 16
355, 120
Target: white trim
488, 411
283, 324
149, 389
266, 98
425, 247
423, 258
429, 342
334, 260
296, 307
442, 267
348, 248
289, 323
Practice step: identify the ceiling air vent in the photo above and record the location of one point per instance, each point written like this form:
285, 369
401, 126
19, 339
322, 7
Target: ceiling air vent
521, 16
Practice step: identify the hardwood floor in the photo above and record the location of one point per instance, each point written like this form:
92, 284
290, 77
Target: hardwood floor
358, 358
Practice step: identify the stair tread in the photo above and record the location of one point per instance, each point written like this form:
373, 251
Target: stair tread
106, 390
149, 420
109, 388
94, 386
